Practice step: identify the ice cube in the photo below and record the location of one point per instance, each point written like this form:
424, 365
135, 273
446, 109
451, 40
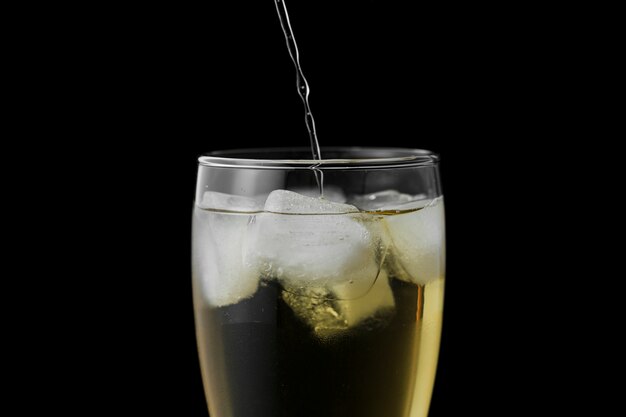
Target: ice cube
315, 308
218, 247
416, 241
354, 310
331, 193
220, 201
328, 317
384, 200
289, 202
307, 242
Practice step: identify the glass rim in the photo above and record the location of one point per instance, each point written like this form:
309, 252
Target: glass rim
398, 158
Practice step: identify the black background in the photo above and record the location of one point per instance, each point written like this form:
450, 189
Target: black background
480, 89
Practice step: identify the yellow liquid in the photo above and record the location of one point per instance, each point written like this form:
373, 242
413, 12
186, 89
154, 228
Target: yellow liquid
427, 349
281, 350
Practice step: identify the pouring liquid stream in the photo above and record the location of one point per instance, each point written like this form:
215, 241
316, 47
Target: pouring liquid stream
303, 90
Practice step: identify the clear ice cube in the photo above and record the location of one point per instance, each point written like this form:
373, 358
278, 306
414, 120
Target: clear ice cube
219, 240
384, 200
312, 243
229, 202
416, 241
289, 202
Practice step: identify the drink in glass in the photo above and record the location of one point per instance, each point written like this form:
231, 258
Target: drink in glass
318, 305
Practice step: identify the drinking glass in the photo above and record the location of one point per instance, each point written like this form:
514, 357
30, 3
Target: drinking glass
318, 285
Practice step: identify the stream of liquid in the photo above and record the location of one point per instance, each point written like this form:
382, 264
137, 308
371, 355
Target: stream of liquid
303, 89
